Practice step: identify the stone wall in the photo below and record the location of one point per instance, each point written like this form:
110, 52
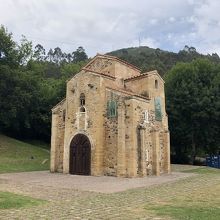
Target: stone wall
111, 137
57, 139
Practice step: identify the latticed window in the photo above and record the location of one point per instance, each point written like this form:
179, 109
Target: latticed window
112, 108
82, 99
158, 109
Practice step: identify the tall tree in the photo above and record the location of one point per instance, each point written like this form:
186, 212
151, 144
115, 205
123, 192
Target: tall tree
8, 50
58, 55
193, 106
25, 51
39, 53
79, 55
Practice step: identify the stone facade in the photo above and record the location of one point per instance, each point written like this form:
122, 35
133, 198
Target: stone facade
121, 115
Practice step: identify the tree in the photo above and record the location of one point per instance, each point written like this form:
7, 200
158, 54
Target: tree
50, 55
25, 51
8, 50
79, 55
39, 53
58, 55
18, 93
193, 106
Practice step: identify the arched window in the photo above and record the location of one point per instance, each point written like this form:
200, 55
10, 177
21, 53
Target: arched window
82, 99
156, 84
82, 109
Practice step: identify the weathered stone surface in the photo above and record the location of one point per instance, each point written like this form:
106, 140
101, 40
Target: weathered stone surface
130, 143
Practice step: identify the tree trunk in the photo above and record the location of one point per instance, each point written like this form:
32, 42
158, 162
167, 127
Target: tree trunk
193, 153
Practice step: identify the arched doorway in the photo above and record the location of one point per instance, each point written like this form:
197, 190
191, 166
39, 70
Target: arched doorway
80, 155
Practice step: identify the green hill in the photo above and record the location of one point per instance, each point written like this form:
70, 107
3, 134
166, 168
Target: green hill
17, 156
148, 59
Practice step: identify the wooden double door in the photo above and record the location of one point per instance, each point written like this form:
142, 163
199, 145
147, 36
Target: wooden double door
80, 155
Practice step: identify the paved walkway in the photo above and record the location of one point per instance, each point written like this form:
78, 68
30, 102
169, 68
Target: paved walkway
102, 184
84, 197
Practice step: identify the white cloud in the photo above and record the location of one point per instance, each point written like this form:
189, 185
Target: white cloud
101, 26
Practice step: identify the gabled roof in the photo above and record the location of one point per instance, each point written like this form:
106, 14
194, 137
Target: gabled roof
113, 58
143, 75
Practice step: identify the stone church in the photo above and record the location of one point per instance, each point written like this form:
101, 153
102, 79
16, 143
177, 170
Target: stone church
112, 122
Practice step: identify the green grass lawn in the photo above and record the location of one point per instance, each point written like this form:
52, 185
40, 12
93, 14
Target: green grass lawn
11, 200
17, 156
194, 198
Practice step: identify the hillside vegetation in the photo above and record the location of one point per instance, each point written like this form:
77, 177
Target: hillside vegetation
33, 80
148, 59
17, 156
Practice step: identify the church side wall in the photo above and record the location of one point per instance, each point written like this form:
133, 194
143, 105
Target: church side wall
57, 138
146, 86
137, 139
111, 137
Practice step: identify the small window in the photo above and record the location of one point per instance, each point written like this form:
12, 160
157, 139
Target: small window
156, 84
82, 99
112, 108
64, 115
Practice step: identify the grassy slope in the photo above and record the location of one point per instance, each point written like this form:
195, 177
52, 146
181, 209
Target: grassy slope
17, 156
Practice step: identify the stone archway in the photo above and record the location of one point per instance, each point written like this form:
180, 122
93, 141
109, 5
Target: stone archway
80, 155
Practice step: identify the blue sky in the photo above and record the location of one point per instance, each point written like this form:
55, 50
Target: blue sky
105, 25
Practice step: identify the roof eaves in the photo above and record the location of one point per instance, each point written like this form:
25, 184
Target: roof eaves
59, 103
128, 93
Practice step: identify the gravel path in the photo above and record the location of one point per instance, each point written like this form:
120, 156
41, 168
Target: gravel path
83, 197
102, 184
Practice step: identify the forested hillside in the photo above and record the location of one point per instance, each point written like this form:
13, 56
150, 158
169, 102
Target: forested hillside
33, 80
150, 59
